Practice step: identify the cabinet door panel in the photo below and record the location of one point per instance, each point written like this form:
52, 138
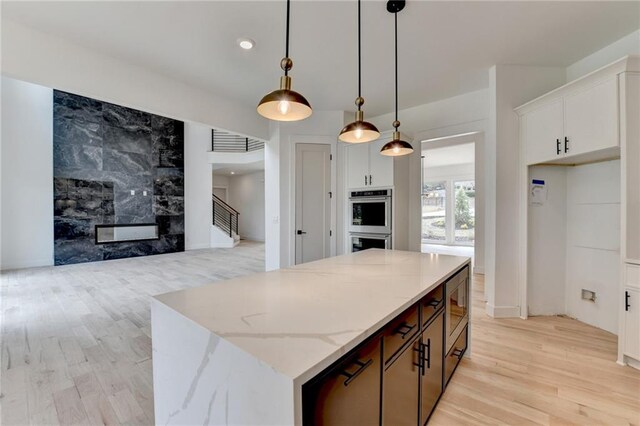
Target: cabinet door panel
380, 166
632, 323
350, 393
400, 389
432, 340
357, 165
542, 127
630, 94
591, 118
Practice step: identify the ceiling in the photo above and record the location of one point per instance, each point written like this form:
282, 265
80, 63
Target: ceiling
445, 47
449, 155
237, 169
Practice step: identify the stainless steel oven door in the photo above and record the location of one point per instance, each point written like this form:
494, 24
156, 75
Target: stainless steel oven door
370, 215
361, 242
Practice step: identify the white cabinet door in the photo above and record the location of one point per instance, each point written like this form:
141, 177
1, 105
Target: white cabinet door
630, 123
358, 165
632, 323
591, 118
380, 166
543, 133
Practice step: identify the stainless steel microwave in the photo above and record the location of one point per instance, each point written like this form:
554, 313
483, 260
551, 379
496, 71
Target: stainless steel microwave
370, 211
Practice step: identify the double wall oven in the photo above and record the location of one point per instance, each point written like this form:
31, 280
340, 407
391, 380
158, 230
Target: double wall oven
370, 219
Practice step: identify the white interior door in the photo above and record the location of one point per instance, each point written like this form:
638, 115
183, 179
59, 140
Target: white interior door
313, 204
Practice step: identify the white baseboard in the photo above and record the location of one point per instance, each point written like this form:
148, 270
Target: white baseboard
478, 270
36, 263
198, 247
503, 311
631, 362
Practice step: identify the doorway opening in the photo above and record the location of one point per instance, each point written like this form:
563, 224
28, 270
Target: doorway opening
452, 190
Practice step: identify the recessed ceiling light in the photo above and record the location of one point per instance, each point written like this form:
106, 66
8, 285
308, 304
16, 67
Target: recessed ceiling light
246, 43
233, 173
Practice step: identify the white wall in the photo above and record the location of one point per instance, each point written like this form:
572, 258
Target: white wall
509, 87
197, 186
628, 45
246, 195
593, 242
50, 61
547, 230
450, 172
26, 175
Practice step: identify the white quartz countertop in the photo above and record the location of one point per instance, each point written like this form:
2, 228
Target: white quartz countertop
301, 319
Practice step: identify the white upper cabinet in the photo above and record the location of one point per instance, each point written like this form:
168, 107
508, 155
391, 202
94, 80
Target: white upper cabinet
381, 166
576, 123
543, 131
358, 165
367, 168
591, 118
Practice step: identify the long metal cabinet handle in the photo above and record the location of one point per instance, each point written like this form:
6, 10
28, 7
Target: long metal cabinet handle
566, 144
420, 363
557, 146
428, 354
370, 179
361, 367
626, 301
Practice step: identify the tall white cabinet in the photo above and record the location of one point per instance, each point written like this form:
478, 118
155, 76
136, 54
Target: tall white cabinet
582, 227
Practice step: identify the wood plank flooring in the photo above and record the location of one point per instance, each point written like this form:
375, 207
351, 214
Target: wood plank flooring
543, 371
76, 339
76, 349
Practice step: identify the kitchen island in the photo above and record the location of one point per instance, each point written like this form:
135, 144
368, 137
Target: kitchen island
250, 350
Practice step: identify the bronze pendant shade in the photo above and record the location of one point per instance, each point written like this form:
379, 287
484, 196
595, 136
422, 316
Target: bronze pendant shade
397, 146
359, 131
285, 104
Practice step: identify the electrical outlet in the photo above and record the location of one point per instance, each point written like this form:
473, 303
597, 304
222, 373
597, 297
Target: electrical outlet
133, 192
144, 193
588, 295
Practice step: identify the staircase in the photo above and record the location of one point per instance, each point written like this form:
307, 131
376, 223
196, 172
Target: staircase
224, 232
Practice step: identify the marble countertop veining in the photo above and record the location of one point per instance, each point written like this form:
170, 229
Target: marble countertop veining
301, 319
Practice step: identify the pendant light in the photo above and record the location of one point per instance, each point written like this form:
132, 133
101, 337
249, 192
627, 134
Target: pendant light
397, 146
359, 131
285, 104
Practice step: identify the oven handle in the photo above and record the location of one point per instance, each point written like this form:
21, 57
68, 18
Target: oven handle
372, 236
372, 199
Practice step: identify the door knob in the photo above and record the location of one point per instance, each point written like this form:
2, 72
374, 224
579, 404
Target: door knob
300, 232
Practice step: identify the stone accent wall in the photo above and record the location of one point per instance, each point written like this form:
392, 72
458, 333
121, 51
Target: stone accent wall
114, 165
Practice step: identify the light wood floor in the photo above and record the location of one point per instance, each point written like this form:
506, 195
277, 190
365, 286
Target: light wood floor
545, 370
76, 345
76, 349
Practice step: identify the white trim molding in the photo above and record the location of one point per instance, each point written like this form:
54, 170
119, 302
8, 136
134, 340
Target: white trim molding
503, 311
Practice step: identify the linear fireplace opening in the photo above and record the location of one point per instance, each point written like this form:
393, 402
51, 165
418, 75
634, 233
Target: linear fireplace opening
123, 233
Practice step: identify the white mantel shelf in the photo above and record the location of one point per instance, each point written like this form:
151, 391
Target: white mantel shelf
259, 338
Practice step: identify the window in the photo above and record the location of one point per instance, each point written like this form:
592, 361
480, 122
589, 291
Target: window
434, 206
464, 211
448, 211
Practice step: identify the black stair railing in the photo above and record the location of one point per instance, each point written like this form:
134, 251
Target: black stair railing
225, 217
229, 142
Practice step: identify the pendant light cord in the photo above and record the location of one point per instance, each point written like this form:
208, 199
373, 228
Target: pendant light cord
359, 57
396, 38
286, 54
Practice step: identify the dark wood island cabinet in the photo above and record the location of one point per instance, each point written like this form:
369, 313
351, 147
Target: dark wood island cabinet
397, 375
